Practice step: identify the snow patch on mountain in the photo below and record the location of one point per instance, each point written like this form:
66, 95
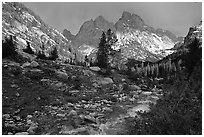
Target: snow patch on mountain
150, 42
86, 49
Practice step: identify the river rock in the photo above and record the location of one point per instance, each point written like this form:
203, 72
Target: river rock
27, 64
95, 68
147, 93
105, 81
78, 131
62, 75
89, 118
34, 64
72, 113
22, 133
66, 129
6, 116
134, 87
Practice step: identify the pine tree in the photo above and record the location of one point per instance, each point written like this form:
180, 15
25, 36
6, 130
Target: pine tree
102, 55
54, 54
106, 55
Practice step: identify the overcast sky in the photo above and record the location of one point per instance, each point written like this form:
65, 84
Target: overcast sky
173, 16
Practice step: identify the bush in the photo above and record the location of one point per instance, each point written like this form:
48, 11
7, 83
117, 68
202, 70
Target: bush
9, 48
54, 54
41, 55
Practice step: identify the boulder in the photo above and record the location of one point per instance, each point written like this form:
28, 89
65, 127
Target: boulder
95, 68
6, 116
22, 133
88, 73
147, 93
66, 129
105, 81
72, 113
26, 64
34, 64
80, 130
62, 75
134, 87
90, 118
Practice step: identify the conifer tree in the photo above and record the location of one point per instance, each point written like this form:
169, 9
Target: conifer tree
102, 55
54, 54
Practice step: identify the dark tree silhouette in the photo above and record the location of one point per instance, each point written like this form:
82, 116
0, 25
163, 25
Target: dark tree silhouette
102, 54
9, 48
54, 54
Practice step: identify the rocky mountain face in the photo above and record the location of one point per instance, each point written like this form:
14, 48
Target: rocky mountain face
136, 39
68, 34
195, 32
26, 26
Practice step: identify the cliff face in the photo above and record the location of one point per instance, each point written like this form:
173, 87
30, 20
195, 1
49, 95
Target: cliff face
68, 34
25, 25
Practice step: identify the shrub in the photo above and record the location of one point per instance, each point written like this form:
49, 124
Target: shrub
9, 48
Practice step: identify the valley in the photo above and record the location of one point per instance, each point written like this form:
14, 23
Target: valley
125, 78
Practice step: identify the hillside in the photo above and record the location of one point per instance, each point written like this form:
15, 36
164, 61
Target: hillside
26, 26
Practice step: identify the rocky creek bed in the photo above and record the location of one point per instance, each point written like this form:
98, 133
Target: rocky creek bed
43, 97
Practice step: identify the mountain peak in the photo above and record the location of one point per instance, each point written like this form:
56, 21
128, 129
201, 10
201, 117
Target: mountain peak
68, 34
126, 14
129, 20
100, 18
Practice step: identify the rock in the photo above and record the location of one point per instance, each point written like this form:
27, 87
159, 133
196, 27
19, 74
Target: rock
89, 118
17, 117
95, 68
72, 113
31, 129
27, 64
44, 80
95, 85
17, 94
155, 97
59, 84
22, 133
14, 86
34, 64
69, 104
105, 81
78, 131
29, 122
93, 114
140, 108
107, 109
88, 73
62, 75
13, 64
60, 115
6, 116
35, 70
146, 93
16, 70
123, 80
66, 129
29, 116
74, 91
134, 87
9, 133
91, 131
